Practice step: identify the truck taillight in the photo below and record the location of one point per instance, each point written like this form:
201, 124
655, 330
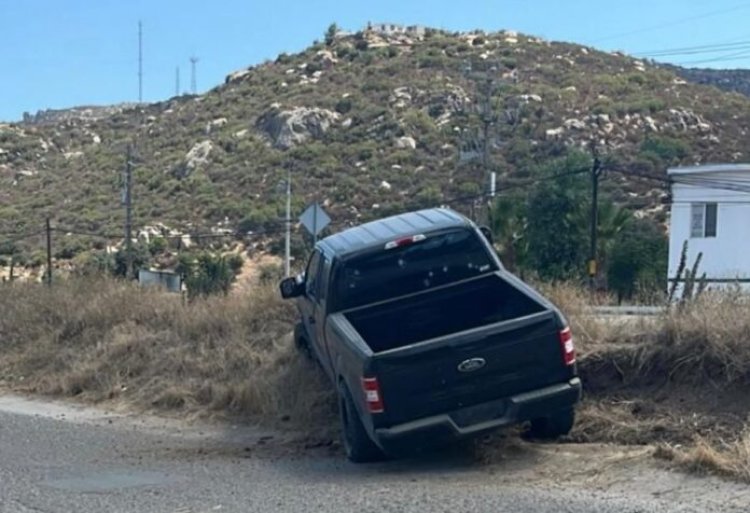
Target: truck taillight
373, 397
567, 346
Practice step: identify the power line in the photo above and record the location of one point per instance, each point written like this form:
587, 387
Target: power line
691, 50
675, 22
723, 58
21, 237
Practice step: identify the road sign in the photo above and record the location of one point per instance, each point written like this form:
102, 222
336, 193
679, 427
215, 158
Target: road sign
314, 219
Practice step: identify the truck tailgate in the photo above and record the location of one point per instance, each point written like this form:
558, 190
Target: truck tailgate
427, 378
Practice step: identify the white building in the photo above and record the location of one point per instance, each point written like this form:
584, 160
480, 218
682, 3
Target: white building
711, 211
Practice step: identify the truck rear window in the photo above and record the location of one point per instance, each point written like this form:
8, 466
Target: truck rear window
438, 260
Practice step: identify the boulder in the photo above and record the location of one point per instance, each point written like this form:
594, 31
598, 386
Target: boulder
385, 185
651, 124
574, 124
216, 123
326, 59
237, 76
554, 133
195, 158
406, 142
400, 98
288, 128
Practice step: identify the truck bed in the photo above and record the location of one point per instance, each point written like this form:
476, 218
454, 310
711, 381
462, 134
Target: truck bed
436, 313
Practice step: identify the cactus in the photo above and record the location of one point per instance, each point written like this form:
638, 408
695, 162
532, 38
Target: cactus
693, 286
680, 269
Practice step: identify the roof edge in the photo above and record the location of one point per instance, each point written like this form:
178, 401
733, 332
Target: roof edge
709, 168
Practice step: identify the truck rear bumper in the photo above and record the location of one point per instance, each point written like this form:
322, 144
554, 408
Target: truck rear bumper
481, 418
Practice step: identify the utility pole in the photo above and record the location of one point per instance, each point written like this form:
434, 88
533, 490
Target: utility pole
177, 81
488, 118
128, 200
140, 62
596, 171
288, 238
48, 229
193, 78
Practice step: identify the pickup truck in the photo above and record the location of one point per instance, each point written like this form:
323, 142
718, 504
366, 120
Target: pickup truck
428, 339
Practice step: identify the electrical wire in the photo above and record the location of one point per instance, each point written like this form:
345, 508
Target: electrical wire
695, 50
724, 58
675, 23
21, 237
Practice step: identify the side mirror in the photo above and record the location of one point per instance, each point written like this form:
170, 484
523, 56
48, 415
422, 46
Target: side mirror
291, 287
487, 234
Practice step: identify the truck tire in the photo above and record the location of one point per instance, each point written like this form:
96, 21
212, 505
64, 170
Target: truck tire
555, 426
301, 342
357, 443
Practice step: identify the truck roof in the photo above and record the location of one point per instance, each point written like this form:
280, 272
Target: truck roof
377, 233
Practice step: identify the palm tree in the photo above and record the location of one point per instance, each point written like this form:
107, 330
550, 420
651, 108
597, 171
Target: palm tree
611, 221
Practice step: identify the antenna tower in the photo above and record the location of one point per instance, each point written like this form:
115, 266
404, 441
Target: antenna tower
193, 77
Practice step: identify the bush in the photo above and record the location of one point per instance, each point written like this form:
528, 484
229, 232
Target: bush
668, 149
207, 274
330, 35
638, 261
343, 106
270, 273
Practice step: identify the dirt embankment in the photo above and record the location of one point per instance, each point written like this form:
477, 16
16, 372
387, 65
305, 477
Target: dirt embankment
680, 381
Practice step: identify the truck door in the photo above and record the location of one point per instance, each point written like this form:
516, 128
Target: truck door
320, 310
309, 307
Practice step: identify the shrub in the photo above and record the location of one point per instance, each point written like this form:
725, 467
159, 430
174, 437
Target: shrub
207, 274
668, 149
638, 260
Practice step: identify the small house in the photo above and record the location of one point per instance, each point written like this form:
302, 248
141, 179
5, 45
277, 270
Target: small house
711, 211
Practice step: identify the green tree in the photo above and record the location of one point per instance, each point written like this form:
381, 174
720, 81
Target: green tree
638, 261
556, 243
330, 35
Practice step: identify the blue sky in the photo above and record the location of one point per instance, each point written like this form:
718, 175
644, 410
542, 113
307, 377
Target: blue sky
61, 53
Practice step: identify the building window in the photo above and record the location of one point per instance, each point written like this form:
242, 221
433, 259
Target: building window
703, 220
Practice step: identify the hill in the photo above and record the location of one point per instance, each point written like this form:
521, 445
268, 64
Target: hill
368, 124
733, 80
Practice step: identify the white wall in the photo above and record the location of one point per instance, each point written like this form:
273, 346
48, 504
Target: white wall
725, 256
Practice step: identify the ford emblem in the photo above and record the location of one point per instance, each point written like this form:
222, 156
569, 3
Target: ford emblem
471, 365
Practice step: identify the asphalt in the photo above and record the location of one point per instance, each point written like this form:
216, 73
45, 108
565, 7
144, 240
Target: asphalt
57, 459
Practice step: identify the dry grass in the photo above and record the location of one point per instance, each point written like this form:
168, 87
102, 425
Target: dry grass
679, 380
108, 341
709, 457
104, 340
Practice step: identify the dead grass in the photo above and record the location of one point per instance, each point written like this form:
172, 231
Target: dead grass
104, 340
679, 380
709, 457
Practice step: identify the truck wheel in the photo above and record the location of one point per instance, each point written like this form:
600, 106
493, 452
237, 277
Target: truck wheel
301, 343
357, 443
549, 428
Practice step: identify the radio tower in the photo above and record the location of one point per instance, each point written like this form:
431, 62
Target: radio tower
193, 79
140, 62
177, 81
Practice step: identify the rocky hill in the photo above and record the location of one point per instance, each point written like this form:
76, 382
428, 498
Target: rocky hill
367, 124
732, 80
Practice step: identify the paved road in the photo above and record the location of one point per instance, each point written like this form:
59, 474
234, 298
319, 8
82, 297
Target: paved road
79, 461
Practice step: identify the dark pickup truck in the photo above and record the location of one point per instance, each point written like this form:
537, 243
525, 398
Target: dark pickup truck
428, 338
